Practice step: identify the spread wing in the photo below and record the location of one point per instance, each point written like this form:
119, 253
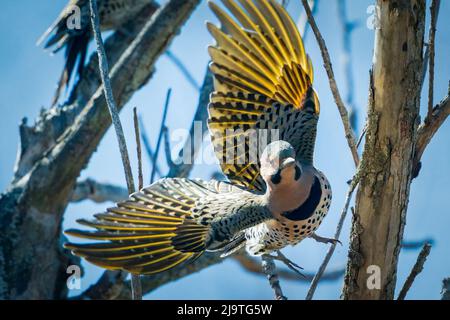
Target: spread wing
154, 230
263, 80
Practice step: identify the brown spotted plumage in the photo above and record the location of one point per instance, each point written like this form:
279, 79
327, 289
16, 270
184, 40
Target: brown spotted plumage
275, 196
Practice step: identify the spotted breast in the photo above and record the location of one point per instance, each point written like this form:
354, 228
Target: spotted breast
295, 225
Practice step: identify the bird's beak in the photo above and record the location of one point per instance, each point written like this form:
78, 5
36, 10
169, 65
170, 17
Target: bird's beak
289, 162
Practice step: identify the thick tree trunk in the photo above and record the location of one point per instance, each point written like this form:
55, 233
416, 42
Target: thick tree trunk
393, 117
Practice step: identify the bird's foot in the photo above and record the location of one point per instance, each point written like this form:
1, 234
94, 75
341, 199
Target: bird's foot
325, 240
289, 263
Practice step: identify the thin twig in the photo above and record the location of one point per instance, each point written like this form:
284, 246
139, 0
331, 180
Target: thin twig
158, 144
104, 72
135, 278
254, 266
361, 137
426, 62
134, 68
434, 9
180, 65
331, 249
270, 270
138, 149
347, 29
418, 267
428, 129
426, 56
167, 148
148, 146
333, 85
184, 162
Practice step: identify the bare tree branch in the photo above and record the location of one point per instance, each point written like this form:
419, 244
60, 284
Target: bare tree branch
136, 285
136, 291
98, 192
110, 102
347, 30
435, 5
302, 23
254, 266
51, 124
35, 201
426, 57
333, 85
180, 65
445, 293
150, 283
137, 136
185, 161
148, 147
418, 267
269, 268
167, 148
428, 129
337, 234
160, 135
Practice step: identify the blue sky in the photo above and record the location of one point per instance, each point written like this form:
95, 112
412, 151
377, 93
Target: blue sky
28, 79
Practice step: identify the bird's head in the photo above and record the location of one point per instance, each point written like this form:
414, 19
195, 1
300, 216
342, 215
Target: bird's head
278, 165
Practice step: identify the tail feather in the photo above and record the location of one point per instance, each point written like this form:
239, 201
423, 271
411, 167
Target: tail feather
153, 231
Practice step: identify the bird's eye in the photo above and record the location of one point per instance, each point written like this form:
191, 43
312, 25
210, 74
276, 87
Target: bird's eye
298, 173
276, 178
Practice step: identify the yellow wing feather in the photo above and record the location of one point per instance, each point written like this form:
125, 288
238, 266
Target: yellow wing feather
258, 61
259, 52
150, 232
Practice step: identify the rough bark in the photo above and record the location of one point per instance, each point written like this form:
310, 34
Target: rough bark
393, 117
32, 263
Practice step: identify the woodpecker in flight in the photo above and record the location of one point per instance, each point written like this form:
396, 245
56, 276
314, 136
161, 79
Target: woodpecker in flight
263, 81
72, 31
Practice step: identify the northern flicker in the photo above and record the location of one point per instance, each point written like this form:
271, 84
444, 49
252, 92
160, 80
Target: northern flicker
263, 81
72, 31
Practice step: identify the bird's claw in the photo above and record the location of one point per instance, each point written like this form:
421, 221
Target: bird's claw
325, 240
289, 263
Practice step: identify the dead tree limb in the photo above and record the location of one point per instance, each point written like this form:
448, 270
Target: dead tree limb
382, 197
445, 293
434, 10
418, 267
428, 129
33, 262
302, 23
98, 192
136, 290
